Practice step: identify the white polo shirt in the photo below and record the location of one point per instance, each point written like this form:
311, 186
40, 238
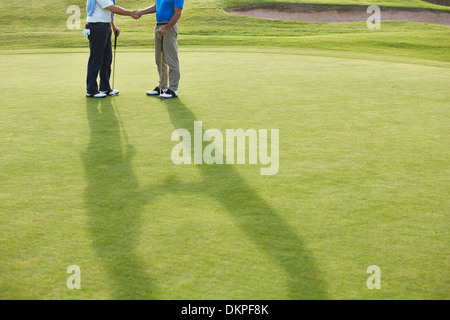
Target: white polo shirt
100, 13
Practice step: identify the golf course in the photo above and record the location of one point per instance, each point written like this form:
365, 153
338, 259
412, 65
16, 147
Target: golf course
364, 158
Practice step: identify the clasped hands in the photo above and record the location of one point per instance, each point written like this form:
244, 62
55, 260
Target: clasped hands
136, 14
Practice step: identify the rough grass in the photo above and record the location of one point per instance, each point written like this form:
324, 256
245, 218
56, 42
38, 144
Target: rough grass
206, 23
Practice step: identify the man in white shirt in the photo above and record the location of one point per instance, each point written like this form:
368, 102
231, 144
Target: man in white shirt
98, 28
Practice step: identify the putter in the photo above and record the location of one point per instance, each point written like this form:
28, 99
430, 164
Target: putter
161, 70
114, 61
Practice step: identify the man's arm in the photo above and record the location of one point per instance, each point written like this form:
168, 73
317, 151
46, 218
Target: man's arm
149, 10
162, 31
115, 29
124, 12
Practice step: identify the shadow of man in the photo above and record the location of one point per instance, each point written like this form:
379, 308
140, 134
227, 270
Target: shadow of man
114, 203
258, 220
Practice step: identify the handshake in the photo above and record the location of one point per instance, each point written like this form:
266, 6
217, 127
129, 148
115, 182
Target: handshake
136, 14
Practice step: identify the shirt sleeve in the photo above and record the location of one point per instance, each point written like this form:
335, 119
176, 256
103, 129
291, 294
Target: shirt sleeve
105, 3
178, 4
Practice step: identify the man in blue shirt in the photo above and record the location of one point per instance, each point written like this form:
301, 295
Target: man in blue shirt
168, 12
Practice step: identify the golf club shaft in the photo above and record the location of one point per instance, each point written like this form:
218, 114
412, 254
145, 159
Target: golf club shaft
114, 62
161, 67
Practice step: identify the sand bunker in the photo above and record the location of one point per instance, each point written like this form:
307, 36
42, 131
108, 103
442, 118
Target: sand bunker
327, 13
439, 2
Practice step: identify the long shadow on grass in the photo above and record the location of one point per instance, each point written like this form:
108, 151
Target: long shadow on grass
114, 203
258, 220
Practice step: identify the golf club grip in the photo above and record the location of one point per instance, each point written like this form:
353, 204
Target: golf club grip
162, 43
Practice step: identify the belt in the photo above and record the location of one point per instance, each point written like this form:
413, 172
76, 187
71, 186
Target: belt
161, 23
106, 23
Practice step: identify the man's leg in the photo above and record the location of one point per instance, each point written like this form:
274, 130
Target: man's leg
97, 43
105, 71
164, 75
171, 53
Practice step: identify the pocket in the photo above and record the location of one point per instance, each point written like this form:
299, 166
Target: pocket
175, 30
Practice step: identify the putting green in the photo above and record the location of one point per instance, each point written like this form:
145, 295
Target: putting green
363, 179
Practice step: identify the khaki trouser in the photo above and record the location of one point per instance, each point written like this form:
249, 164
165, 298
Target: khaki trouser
171, 65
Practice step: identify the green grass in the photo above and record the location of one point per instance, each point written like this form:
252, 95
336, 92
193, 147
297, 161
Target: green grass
363, 180
206, 23
364, 171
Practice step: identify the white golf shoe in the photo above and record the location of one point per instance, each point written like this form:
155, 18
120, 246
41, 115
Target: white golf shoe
169, 94
111, 93
154, 92
96, 95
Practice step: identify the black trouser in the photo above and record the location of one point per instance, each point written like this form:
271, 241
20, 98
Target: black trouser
101, 57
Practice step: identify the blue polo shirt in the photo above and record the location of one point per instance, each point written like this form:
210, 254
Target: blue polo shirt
165, 9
